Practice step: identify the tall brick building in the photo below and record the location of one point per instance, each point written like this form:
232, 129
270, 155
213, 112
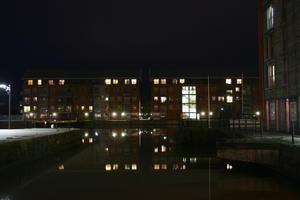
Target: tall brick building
279, 37
74, 94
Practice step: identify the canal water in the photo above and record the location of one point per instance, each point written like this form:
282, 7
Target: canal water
143, 164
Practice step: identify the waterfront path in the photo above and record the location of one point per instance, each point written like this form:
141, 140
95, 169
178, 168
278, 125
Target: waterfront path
10, 135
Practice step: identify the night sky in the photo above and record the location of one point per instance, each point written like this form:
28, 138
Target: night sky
41, 33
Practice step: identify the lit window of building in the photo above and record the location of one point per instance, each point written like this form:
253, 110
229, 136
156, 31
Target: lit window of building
229, 91
221, 99
51, 82
155, 98
193, 160
26, 109
163, 99
239, 81
237, 89
163, 81
229, 99
271, 76
90, 108
115, 167
155, 150
107, 81
34, 108
127, 167
164, 166
156, 167
61, 82
108, 167
182, 81
163, 148
228, 81
133, 81
115, 81
189, 102
40, 82
35, 99
156, 81
174, 81
126, 81
134, 167
69, 108
82, 107
270, 17
30, 82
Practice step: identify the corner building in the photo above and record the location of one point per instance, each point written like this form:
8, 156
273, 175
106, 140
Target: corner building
279, 33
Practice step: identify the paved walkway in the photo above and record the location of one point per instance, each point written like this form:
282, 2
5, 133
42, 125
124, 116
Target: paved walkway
9, 135
269, 137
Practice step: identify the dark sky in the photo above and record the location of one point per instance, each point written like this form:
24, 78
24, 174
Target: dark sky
206, 33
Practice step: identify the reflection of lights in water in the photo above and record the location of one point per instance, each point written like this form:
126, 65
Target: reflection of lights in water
163, 148
86, 134
165, 137
96, 133
82, 140
114, 135
184, 160
115, 166
164, 166
91, 140
61, 167
156, 167
134, 167
108, 167
140, 132
193, 160
123, 134
229, 167
156, 149
175, 166
183, 167
106, 149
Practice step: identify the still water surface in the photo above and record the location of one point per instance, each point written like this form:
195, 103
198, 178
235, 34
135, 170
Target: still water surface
144, 164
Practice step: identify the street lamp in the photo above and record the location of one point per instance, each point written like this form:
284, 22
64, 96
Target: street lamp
7, 88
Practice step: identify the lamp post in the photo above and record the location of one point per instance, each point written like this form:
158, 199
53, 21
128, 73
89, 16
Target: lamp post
7, 88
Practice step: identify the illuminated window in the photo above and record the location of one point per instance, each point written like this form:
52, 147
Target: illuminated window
126, 81
193, 160
228, 81
163, 148
220, 98
270, 17
115, 166
156, 167
108, 167
164, 166
115, 81
237, 89
107, 81
40, 82
174, 81
90, 108
229, 99
134, 167
189, 110
156, 150
155, 98
61, 82
156, 81
229, 91
163, 81
34, 108
127, 167
163, 99
30, 82
82, 107
271, 76
26, 109
182, 81
51, 82
35, 99
69, 108
133, 81
239, 81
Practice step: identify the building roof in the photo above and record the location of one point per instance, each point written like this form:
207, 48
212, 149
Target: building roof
82, 73
197, 72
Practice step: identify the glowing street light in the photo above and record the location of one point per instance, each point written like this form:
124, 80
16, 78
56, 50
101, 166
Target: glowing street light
114, 114
7, 88
123, 114
257, 113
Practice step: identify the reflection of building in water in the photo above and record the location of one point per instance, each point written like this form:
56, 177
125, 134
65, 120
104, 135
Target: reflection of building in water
142, 150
